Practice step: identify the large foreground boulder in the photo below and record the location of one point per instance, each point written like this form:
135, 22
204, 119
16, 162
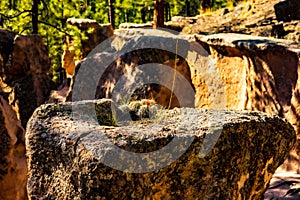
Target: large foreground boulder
225, 154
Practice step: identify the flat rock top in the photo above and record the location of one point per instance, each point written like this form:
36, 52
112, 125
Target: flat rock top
249, 42
163, 124
236, 40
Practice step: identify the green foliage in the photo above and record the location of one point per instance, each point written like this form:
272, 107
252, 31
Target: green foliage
16, 19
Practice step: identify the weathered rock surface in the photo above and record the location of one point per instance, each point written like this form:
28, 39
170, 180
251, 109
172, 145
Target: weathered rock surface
135, 25
281, 186
24, 85
177, 23
25, 59
250, 146
95, 32
258, 74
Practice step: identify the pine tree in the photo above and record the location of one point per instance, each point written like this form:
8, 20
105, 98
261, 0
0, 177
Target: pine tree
158, 13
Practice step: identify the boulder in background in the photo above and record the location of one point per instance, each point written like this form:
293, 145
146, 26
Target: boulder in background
287, 10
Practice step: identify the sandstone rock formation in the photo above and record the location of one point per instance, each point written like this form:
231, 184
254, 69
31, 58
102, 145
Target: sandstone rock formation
13, 166
252, 73
177, 23
258, 74
24, 85
95, 32
25, 77
242, 72
135, 25
249, 17
246, 148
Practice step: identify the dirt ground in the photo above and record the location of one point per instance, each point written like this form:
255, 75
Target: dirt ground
255, 17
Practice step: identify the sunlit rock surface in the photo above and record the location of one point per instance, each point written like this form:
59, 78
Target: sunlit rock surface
95, 33
225, 154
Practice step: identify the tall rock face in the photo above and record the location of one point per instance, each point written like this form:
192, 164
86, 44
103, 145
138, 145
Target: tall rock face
223, 154
24, 85
6, 48
258, 74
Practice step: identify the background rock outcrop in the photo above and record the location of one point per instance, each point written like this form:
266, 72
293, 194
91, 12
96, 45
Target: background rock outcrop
6, 48
95, 33
250, 146
258, 74
13, 166
255, 18
287, 10
126, 52
25, 76
24, 85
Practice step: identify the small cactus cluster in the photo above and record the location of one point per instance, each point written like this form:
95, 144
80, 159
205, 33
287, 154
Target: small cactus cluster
139, 109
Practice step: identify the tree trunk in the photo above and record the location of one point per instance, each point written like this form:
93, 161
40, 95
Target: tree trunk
187, 8
143, 14
167, 12
158, 13
111, 13
93, 6
35, 15
10, 4
206, 4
